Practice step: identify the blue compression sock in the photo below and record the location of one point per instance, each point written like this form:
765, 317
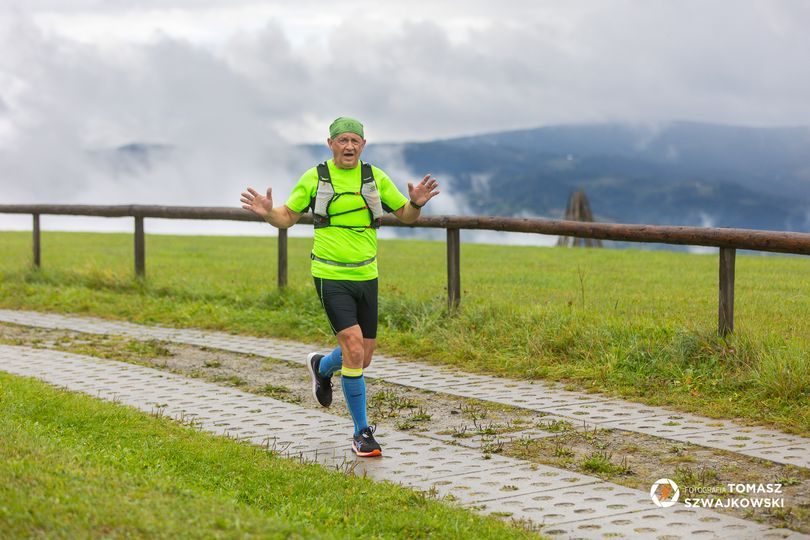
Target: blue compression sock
331, 363
354, 390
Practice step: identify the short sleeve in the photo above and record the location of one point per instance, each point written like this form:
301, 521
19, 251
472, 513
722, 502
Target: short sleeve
390, 196
303, 191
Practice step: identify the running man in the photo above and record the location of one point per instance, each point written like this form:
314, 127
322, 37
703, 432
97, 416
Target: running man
348, 199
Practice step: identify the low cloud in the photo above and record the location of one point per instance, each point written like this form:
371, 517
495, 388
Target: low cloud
205, 129
231, 111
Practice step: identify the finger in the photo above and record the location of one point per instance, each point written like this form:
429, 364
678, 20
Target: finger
253, 192
244, 200
269, 193
426, 178
246, 196
410, 186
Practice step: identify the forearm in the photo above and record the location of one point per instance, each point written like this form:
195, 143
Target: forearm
282, 217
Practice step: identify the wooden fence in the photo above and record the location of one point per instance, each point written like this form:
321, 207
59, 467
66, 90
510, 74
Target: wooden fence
728, 240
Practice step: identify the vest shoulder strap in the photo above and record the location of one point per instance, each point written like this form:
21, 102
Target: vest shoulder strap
323, 196
371, 195
323, 173
366, 173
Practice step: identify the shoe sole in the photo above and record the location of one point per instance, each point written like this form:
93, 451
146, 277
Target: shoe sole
314, 379
373, 453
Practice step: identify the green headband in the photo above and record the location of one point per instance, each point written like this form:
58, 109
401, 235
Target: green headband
344, 124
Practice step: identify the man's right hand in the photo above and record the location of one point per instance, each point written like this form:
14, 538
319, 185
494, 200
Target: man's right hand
258, 204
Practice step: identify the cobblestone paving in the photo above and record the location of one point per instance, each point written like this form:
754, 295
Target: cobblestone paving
566, 504
584, 410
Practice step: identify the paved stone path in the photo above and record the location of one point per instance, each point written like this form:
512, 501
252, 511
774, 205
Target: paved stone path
586, 410
567, 504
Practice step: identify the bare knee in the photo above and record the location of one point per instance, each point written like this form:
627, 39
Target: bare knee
351, 343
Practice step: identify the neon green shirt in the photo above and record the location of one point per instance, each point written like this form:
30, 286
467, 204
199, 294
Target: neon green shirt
337, 243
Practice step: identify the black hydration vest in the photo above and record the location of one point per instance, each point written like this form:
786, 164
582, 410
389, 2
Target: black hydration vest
326, 195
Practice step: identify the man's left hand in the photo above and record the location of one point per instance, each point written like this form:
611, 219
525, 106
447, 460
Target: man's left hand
425, 190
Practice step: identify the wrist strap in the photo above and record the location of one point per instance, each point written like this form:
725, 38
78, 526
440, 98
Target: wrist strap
417, 206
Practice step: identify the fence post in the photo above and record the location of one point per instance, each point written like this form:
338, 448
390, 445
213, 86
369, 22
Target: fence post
282, 258
140, 251
37, 248
453, 269
725, 324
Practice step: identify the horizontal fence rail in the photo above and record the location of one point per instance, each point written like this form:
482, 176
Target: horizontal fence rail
751, 239
728, 240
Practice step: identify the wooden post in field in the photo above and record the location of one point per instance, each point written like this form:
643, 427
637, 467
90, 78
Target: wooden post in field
37, 249
579, 209
453, 268
725, 323
140, 248
282, 258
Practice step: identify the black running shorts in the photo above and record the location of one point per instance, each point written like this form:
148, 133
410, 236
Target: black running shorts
347, 303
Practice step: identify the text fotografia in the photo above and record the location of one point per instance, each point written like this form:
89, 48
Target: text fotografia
707, 497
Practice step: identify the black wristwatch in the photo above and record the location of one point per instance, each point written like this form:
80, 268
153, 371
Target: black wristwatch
417, 206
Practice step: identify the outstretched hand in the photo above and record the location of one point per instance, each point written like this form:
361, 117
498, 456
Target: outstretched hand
423, 191
257, 203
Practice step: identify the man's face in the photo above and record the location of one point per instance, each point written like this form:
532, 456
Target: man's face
346, 149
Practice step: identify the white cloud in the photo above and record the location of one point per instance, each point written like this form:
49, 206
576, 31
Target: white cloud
231, 84
434, 70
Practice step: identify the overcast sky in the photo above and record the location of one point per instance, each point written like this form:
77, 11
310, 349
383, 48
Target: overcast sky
232, 84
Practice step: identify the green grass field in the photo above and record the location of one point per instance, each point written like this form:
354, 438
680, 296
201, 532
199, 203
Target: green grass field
76, 467
630, 323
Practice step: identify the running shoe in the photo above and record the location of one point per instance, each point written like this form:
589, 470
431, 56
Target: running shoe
364, 444
321, 386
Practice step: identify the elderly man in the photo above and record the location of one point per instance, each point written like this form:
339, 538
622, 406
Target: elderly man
348, 199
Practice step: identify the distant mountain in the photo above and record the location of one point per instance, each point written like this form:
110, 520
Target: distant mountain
674, 174
132, 158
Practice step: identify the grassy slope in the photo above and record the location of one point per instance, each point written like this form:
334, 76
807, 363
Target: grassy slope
76, 467
631, 323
